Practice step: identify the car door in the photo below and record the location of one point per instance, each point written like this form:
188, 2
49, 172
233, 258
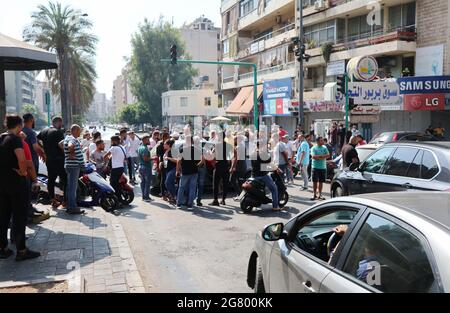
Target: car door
395, 174
384, 254
365, 179
300, 267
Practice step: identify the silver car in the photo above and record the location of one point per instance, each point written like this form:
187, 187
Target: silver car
387, 242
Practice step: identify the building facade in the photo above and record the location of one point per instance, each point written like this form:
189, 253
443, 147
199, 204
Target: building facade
41, 88
99, 109
400, 34
182, 106
121, 95
19, 90
202, 42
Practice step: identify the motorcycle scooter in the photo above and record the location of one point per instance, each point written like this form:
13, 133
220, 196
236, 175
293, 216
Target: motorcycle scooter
254, 193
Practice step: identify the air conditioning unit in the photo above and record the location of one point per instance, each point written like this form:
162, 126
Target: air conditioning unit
320, 5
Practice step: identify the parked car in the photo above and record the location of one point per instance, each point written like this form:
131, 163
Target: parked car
393, 243
402, 166
388, 137
363, 152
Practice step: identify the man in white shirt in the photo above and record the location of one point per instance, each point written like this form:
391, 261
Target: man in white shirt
118, 156
133, 144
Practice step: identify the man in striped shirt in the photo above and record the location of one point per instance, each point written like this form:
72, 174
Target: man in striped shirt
74, 161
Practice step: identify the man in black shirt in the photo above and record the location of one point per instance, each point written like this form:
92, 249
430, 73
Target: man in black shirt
160, 165
349, 153
51, 137
13, 190
223, 154
187, 166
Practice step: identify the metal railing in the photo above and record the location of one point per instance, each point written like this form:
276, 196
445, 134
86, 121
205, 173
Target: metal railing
407, 33
269, 70
273, 34
228, 79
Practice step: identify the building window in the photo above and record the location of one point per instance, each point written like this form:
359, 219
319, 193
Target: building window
359, 29
321, 33
208, 101
403, 15
226, 47
247, 7
183, 102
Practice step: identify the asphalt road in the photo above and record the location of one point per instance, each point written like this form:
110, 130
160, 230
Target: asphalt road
204, 250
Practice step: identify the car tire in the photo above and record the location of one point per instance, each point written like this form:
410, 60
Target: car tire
337, 192
259, 280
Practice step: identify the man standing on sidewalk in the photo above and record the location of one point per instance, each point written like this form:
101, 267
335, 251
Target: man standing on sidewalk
145, 168
74, 161
319, 155
303, 159
132, 152
51, 137
187, 166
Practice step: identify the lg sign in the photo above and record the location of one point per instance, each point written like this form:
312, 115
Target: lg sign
424, 102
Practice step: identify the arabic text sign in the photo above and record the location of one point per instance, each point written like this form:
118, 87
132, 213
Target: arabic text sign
425, 84
370, 109
427, 102
336, 68
277, 97
322, 106
374, 92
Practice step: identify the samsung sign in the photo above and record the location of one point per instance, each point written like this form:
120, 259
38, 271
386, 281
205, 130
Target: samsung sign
421, 85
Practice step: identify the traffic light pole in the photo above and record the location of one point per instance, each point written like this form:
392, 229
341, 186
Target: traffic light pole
347, 104
301, 76
244, 64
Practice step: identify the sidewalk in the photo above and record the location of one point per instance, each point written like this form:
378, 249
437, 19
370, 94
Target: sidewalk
96, 241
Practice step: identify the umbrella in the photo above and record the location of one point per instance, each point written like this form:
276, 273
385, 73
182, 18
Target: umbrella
221, 119
16, 55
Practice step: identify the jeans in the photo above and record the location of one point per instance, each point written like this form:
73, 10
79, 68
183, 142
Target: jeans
304, 173
283, 168
146, 181
187, 190
170, 182
13, 203
55, 169
116, 174
221, 174
268, 181
73, 173
132, 162
202, 172
289, 174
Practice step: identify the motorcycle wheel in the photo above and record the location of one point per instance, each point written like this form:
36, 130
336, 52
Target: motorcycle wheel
126, 197
284, 198
245, 206
109, 203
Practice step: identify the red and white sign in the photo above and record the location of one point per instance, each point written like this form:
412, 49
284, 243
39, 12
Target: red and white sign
424, 102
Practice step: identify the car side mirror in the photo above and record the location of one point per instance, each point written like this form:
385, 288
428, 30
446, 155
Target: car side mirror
274, 232
354, 167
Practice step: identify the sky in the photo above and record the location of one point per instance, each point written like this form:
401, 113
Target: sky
114, 23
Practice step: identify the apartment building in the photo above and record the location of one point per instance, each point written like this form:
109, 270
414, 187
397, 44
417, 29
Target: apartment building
401, 35
202, 42
99, 110
41, 88
121, 95
19, 90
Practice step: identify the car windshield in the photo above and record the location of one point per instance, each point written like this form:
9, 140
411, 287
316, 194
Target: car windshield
363, 154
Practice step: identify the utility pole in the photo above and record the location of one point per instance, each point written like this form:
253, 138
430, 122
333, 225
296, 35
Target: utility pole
301, 76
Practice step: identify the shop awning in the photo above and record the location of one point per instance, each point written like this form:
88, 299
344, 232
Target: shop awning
243, 103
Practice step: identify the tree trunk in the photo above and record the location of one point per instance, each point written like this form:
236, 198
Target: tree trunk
63, 87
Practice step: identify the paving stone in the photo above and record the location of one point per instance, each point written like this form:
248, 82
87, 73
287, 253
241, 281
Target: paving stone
97, 288
117, 288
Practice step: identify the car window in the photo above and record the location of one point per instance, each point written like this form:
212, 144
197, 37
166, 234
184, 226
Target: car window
414, 168
374, 164
400, 161
364, 153
312, 236
389, 258
429, 165
382, 138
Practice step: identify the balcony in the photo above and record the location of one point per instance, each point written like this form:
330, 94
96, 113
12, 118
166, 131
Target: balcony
268, 41
270, 73
391, 42
273, 7
227, 4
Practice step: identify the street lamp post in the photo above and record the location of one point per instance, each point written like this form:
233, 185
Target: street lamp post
301, 75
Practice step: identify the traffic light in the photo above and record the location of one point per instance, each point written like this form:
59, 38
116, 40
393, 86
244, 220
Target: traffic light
351, 104
173, 54
299, 49
341, 84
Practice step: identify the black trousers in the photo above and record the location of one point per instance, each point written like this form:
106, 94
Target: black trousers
163, 176
116, 174
13, 203
221, 174
235, 177
56, 169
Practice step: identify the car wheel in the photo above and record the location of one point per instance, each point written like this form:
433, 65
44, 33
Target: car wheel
259, 281
284, 198
337, 192
245, 206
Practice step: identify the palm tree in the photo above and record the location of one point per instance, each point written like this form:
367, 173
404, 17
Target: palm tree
66, 31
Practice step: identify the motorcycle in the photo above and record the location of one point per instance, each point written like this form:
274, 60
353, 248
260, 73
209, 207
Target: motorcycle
92, 184
254, 193
126, 191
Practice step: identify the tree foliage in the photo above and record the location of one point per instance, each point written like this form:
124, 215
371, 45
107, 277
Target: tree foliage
149, 77
129, 114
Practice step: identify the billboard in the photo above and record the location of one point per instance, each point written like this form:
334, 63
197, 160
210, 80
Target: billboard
277, 96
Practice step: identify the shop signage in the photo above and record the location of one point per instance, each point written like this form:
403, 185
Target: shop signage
336, 68
374, 92
322, 106
277, 97
363, 68
424, 84
254, 48
372, 118
429, 61
424, 102
368, 109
